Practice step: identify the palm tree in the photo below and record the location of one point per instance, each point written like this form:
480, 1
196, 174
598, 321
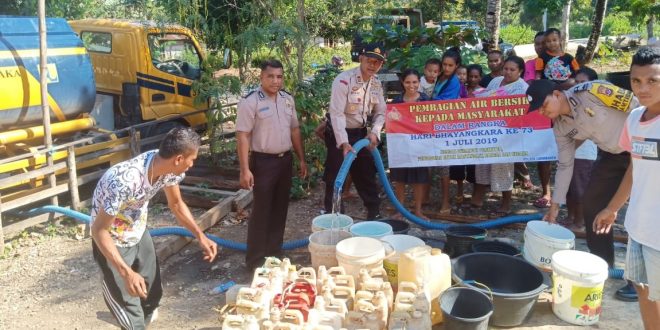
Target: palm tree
494, 9
597, 28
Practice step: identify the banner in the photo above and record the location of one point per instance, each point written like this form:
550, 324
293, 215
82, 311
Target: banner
467, 131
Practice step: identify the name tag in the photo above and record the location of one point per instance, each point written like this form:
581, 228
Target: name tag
264, 109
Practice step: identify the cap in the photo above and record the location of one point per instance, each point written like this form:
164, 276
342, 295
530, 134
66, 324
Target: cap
374, 50
537, 91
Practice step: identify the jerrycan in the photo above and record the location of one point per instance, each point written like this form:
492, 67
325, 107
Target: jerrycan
375, 285
365, 316
270, 280
306, 273
240, 322
320, 315
428, 268
251, 301
284, 320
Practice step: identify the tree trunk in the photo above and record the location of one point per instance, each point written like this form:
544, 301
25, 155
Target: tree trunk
565, 18
301, 38
649, 26
494, 9
596, 29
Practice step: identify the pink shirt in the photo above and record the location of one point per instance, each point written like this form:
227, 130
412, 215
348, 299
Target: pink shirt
530, 70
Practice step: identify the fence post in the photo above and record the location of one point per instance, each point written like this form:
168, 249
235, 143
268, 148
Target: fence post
135, 142
73, 187
2, 235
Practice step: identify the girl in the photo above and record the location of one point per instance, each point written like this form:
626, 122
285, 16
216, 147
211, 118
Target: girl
500, 176
462, 75
475, 74
419, 177
554, 64
448, 87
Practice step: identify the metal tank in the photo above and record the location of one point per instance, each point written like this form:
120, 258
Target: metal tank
71, 87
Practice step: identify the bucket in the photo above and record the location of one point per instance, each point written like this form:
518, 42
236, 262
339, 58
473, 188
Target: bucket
322, 245
515, 284
398, 226
372, 229
578, 278
542, 239
465, 309
356, 253
495, 246
400, 243
331, 221
460, 238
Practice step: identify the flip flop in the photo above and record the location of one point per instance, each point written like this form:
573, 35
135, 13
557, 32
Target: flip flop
542, 203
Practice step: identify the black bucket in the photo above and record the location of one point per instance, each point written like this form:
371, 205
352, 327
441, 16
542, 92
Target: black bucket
465, 309
620, 79
398, 226
495, 246
460, 239
515, 284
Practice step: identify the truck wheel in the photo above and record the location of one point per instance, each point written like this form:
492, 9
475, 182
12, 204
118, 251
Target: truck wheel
160, 129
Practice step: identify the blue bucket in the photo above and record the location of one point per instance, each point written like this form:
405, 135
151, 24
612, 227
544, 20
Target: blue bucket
372, 229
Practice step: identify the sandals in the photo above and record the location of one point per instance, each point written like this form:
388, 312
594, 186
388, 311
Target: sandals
528, 185
543, 203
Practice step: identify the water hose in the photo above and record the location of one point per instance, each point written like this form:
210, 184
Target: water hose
382, 175
163, 231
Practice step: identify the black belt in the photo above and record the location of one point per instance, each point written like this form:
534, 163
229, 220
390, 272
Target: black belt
267, 155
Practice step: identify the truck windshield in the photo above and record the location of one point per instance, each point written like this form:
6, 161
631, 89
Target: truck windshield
175, 54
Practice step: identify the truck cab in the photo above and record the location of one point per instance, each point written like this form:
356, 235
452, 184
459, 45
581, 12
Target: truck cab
148, 69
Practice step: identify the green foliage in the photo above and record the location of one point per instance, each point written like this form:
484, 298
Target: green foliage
409, 57
607, 55
617, 24
517, 34
579, 30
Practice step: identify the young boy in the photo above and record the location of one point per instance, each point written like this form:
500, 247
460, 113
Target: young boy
595, 110
641, 137
431, 73
554, 64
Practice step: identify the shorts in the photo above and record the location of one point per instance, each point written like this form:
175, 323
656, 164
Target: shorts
643, 267
580, 180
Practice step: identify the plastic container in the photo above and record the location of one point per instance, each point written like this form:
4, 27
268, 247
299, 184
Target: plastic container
399, 227
332, 221
360, 252
400, 243
322, 247
496, 247
429, 269
542, 239
514, 283
578, 278
460, 238
372, 229
465, 309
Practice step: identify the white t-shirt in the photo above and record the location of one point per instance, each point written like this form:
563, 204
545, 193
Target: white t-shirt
642, 140
426, 87
124, 192
587, 150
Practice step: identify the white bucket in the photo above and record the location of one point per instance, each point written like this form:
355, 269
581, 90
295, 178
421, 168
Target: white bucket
542, 239
578, 278
400, 243
356, 253
331, 221
374, 229
322, 247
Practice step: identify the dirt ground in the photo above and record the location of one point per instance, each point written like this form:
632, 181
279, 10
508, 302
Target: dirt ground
50, 281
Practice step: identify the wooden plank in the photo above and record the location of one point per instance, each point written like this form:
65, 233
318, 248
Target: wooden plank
47, 193
213, 182
31, 174
209, 191
172, 245
18, 226
2, 234
134, 142
191, 200
242, 200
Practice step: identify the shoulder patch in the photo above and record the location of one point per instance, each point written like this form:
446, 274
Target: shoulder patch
249, 93
284, 93
261, 95
612, 96
343, 82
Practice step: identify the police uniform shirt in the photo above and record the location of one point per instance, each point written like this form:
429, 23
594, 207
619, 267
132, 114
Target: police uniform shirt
268, 120
598, 113
352, 100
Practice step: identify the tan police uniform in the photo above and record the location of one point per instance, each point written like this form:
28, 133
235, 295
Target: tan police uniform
354, 104
598, 112
269, 122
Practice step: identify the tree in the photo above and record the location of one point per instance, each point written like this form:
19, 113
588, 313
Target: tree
565, 18
645, 11
494, 9
596, 29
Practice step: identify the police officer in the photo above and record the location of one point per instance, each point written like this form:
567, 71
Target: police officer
594, 110
266, 130
357, 94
